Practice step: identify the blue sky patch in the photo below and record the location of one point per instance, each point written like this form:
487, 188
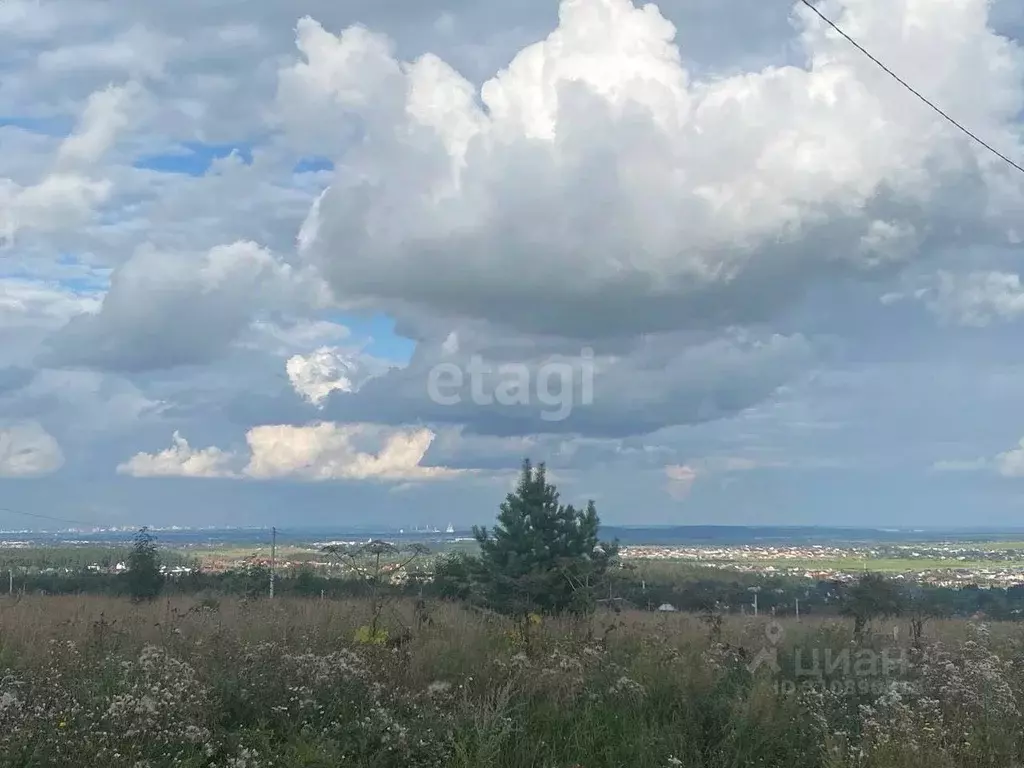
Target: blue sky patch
313, 165
47, 126
192, 158
380, 328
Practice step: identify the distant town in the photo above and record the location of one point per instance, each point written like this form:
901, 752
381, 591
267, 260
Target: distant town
951, 564
954, 562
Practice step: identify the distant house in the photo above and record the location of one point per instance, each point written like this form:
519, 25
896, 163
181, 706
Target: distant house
666, 607
178, 570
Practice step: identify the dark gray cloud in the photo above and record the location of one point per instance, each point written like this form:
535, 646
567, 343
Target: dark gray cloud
512, 388
13, 378
165, 310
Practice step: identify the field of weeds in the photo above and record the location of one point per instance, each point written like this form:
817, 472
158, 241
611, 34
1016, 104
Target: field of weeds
103, 682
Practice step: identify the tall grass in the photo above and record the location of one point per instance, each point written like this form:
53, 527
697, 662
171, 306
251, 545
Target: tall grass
100, 681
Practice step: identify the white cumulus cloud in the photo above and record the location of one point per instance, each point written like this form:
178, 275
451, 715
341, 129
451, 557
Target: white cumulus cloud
68, 193
596, 186
180, 460
317, 452
28, 450
1011, 463
329, 451
105, 116
325, 370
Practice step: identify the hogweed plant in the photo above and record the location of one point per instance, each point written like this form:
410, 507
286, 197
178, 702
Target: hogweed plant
374, 563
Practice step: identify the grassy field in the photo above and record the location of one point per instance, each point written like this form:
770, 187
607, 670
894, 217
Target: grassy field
851, 563
239, 553
877, 564
295, 553
100, 681
220, 557
988, 546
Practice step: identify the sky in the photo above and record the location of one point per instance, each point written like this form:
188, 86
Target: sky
318, 263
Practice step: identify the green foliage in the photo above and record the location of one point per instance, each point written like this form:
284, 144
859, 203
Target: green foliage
306, 582
143, 579
872, 596
252, 581
923, 603
73, 559
542, 556
454, 576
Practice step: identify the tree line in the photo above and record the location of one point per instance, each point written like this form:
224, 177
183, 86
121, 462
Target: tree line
543, 557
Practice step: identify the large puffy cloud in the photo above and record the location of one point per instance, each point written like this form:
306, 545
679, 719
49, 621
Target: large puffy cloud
329, 451
317, 452
28, 450
594, 187
165, 310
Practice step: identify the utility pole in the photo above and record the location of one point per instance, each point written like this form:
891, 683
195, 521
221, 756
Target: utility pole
10, 581
798, 609
273, 559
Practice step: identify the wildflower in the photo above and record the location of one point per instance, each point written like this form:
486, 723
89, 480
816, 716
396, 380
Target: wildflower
627, 686
8, 701
368, 636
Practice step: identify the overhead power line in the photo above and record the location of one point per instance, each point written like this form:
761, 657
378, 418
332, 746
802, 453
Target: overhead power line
913, 90
10, 511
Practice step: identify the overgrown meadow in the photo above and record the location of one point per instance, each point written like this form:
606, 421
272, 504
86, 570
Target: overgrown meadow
100, 681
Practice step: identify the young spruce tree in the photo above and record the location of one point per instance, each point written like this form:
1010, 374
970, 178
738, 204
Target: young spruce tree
144, 580
542, 556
